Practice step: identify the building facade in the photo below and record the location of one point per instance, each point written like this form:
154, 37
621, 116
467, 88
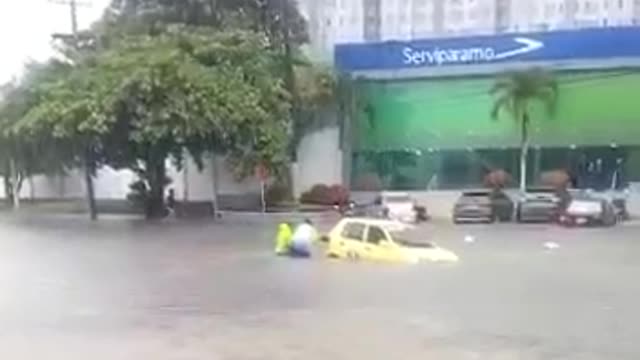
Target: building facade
346, 21
421, 114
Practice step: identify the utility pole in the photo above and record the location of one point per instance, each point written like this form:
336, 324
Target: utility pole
73, 11
89, 163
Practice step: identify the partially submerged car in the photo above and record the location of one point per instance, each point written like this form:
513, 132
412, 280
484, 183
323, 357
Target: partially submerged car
589, 209
538, 205
474, 207
382, 240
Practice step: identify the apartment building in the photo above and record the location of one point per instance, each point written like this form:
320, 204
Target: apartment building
544, 15
344, 21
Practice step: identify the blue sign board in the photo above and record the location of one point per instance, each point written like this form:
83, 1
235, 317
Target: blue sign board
588, 44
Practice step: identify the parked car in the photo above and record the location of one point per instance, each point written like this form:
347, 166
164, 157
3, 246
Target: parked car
618, 198
398, 206
501, 205
391, 205
352, 208
587, 208
361, 209
421, 213
382, 240
347, 209
538, 205
474, 207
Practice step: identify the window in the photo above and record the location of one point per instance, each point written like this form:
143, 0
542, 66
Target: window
375, 235
353, 231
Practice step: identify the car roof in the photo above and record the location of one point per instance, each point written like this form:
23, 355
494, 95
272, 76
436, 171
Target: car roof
386, 224
586, 196
394, 193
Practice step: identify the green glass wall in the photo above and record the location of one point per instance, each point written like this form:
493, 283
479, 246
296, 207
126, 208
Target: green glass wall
593, 109
438, 133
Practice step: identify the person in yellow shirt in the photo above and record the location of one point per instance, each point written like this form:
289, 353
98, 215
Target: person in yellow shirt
283, 239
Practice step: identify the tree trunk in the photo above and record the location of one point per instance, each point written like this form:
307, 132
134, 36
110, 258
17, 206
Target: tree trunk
15, 184
185, 178
524, 152
155, 202
8, 188
32, 189
215, 183
290, 84
89, 170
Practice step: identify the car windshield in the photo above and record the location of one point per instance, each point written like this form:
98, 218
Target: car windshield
476, 194
410, 237
540, 191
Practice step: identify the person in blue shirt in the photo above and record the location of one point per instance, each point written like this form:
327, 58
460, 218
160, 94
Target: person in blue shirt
302, 240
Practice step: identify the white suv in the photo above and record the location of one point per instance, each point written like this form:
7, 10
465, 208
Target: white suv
398, 206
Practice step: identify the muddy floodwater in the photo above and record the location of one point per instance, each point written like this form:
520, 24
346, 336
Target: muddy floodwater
123, 289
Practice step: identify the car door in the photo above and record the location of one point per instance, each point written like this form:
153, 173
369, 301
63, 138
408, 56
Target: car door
372, 247
350, 243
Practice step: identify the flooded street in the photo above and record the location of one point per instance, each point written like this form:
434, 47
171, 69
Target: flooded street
128, 290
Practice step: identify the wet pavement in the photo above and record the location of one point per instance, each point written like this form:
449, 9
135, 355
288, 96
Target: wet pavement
128, 290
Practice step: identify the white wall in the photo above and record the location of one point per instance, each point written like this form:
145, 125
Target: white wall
319, 160
112, 184
200, 183
109, 184
52, 187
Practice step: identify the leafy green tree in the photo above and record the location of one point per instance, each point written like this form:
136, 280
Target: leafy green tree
23, 155
516, 92
70, 114
265, 16
279, 20
147, 99
316, 89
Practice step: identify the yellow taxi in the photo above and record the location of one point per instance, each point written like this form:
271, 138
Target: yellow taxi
382, 240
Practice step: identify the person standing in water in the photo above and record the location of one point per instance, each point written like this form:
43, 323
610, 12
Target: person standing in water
283, 239
302, 240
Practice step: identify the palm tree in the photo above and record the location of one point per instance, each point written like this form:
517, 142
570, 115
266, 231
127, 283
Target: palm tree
515, 92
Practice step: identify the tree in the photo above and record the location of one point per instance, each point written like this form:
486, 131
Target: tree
516, 92
278, 20
260, 16
316, 89
157, 79
147, 99
25, 155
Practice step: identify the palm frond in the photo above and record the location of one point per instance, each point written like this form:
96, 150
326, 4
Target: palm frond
548, 96
500, 104
503, 84
516, 90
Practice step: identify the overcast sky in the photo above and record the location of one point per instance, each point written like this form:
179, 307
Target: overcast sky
26, 27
